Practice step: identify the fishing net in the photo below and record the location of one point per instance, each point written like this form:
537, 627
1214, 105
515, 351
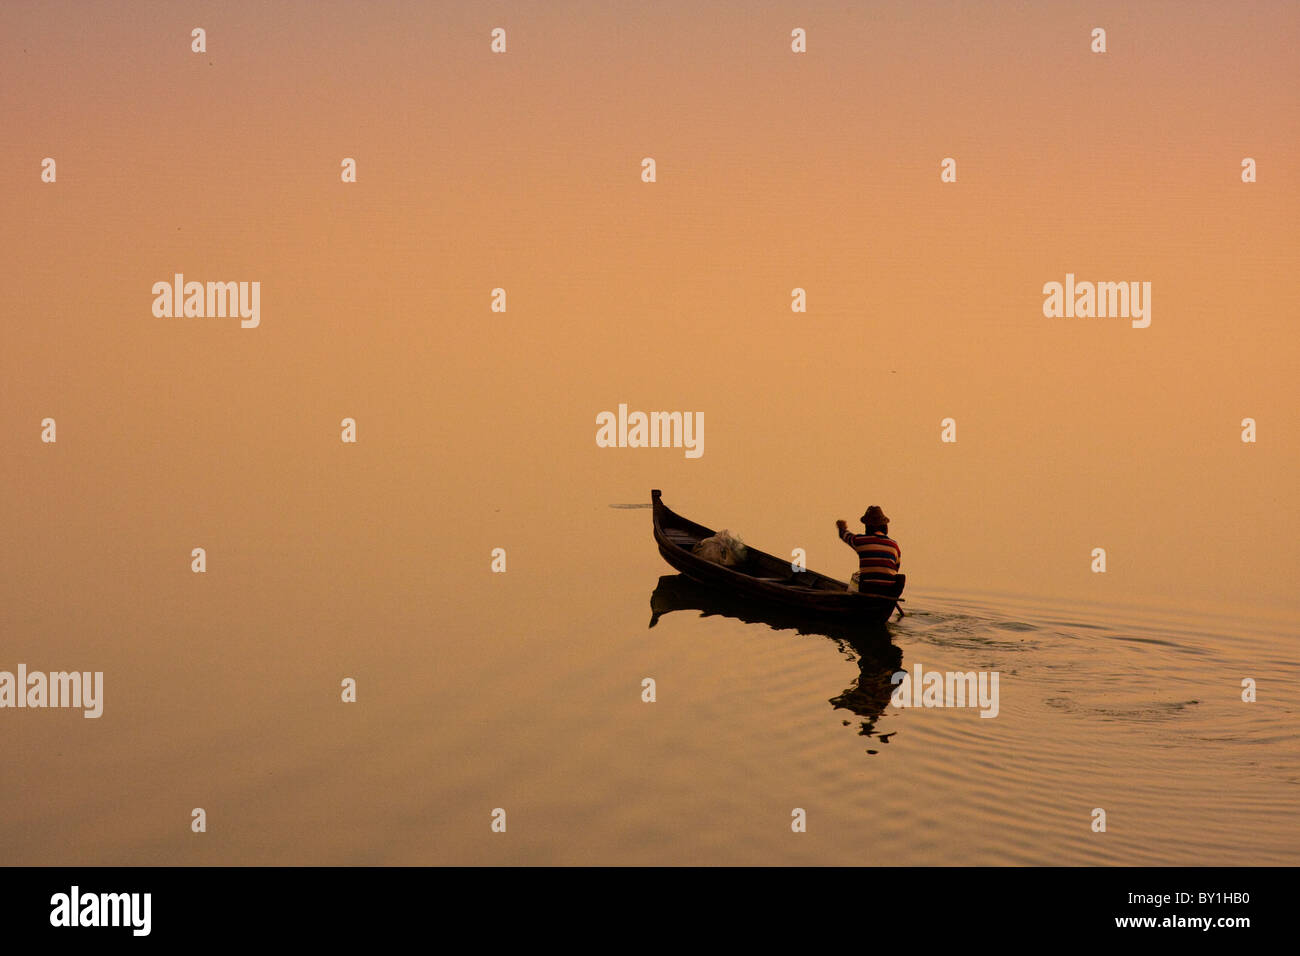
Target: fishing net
723, 548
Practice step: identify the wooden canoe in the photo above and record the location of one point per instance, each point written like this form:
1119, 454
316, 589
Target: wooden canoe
764, 577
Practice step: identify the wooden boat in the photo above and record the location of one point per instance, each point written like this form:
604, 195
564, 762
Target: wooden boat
677, 592
763, 577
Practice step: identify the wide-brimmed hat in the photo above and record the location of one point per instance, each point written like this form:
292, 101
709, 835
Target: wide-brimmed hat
875, 517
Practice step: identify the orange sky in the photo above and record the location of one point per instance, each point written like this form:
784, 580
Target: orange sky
775, 171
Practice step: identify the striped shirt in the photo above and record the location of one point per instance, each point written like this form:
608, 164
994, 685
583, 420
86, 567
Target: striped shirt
878, 556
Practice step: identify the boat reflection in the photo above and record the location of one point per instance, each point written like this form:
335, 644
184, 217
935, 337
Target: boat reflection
869, 646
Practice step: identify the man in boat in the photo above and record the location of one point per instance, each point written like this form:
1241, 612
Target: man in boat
878, 554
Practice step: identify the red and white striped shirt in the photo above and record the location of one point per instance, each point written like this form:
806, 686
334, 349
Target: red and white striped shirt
878, 556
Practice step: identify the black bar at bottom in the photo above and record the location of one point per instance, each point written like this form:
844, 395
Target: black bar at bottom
624, 906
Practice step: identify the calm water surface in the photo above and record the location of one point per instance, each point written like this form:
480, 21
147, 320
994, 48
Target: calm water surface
467, 702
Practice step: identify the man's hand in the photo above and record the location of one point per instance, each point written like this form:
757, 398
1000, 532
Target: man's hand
841, 525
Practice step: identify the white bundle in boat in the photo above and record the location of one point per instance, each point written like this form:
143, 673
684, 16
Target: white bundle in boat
723, 548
